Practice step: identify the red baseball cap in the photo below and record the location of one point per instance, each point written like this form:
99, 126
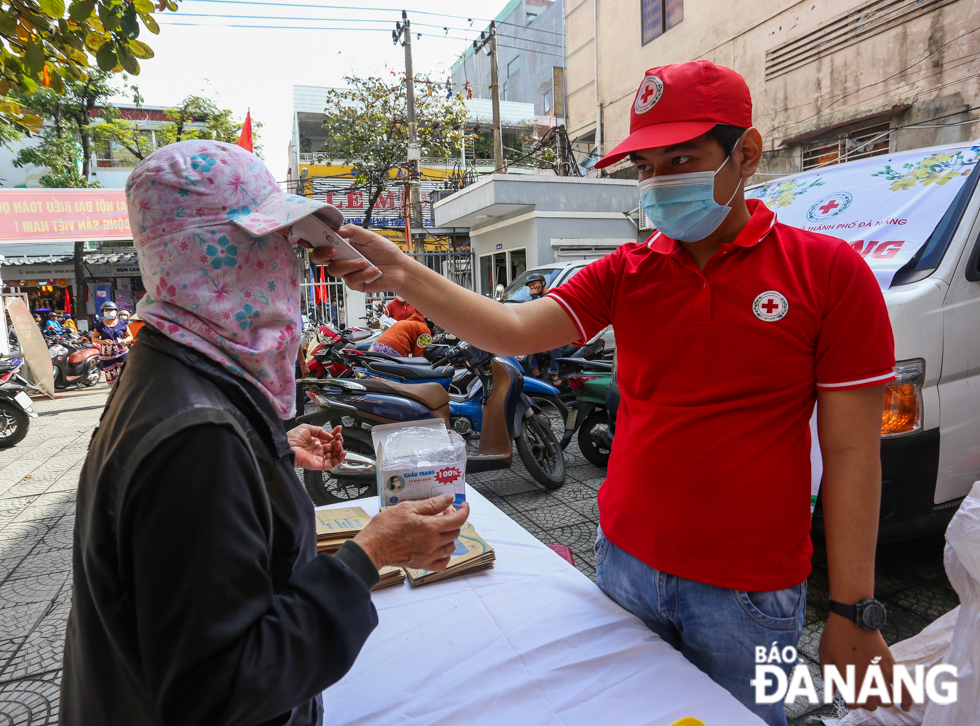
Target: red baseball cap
680, 102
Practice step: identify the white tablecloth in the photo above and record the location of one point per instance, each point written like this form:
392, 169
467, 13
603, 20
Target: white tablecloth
530, 642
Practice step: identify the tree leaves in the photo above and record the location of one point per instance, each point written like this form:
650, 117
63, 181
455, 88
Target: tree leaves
106, 57
81, 10
52, 8
44, 42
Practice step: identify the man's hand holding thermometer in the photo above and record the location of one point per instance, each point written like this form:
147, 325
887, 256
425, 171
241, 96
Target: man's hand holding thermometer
321, 235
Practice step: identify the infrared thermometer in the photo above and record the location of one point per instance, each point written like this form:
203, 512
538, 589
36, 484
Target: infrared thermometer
319, 234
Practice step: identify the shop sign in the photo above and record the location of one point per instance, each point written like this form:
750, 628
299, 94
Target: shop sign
127, 270
43, 271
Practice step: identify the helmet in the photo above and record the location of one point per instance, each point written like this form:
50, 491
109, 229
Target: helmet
109, 305
67, 316
536, 277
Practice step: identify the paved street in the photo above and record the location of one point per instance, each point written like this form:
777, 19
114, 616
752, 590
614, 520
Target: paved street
37, 493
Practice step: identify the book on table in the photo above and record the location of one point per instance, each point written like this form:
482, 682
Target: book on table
336, 526
472, 554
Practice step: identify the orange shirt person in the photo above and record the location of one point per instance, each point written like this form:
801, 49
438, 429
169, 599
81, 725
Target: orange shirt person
406, 338
399, 309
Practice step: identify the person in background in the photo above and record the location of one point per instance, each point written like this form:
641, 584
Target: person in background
406, 338
124, 316
399, 309
40, 323
341, 314
53, 327
69, 324
199, 598
113, 338
538, 287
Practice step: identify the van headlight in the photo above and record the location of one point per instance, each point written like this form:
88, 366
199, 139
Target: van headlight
902, 414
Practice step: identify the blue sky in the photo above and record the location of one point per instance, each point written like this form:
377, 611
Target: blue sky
256, 68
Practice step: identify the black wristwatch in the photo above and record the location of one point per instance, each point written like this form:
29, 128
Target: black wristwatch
869, 613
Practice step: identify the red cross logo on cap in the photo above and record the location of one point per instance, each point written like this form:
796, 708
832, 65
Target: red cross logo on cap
770, 306
650, 92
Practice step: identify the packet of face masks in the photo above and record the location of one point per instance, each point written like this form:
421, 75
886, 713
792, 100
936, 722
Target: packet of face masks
418, 460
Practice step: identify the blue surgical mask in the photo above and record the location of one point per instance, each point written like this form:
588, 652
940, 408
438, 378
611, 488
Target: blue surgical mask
683, 206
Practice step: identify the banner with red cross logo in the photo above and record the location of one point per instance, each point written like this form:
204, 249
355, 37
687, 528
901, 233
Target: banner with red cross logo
885, 206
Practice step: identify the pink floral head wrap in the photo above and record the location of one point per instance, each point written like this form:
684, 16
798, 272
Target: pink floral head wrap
211, 285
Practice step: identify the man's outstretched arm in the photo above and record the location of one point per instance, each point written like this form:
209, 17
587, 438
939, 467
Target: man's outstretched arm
503, 329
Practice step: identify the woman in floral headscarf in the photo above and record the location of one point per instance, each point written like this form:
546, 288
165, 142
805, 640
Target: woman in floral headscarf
198, 594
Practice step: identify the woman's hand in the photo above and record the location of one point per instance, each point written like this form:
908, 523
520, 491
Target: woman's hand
383, 254
316, 448
414, 534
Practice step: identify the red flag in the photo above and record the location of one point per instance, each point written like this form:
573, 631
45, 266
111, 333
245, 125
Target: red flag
321, 289
245, 138
67, 302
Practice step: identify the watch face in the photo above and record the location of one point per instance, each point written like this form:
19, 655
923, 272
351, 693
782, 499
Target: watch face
873, 615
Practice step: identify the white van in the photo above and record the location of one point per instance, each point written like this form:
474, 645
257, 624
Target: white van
915, 217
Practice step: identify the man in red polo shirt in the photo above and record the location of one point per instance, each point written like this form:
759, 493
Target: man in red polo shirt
399, 309
730, 326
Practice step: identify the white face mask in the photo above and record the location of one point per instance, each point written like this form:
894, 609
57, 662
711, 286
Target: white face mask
111, 314
399, 298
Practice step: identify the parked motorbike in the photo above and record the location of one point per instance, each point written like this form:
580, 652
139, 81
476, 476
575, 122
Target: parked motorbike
500, 411
75, 361
16, 409
588, 413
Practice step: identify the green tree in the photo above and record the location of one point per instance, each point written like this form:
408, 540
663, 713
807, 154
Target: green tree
70, 114
367, 128
46, 44
195, 117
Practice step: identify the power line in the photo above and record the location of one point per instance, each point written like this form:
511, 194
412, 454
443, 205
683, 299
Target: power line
353, 20
340, 7
319, 27
531, 50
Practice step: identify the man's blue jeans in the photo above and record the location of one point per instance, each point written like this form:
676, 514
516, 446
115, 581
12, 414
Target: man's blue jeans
715, 628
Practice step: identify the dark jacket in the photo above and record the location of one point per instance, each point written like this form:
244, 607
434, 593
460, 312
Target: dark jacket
198, 595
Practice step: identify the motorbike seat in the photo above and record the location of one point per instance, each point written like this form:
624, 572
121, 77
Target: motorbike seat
431, 395
401, 360
409, 371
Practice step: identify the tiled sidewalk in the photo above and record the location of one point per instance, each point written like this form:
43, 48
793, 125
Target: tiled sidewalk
38, 478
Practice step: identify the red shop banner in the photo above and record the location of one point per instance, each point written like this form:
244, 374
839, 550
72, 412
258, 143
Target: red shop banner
63, 215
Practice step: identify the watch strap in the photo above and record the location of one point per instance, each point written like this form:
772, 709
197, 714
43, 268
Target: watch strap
846, 611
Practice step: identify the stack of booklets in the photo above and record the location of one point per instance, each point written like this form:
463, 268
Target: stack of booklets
336, 526
472, 555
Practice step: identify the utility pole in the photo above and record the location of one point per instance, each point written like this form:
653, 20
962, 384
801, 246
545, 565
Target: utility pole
403, 30
498, 142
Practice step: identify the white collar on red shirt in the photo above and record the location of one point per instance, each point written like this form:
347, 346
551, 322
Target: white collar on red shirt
760, 224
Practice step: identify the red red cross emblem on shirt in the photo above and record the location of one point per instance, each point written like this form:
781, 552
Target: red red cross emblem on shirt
770, 306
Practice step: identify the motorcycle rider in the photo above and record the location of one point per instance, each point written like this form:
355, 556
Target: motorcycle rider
538, 288
69, 323
53, 327
113, 338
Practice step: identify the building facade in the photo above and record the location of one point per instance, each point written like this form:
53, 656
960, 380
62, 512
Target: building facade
830, 82
530, 47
